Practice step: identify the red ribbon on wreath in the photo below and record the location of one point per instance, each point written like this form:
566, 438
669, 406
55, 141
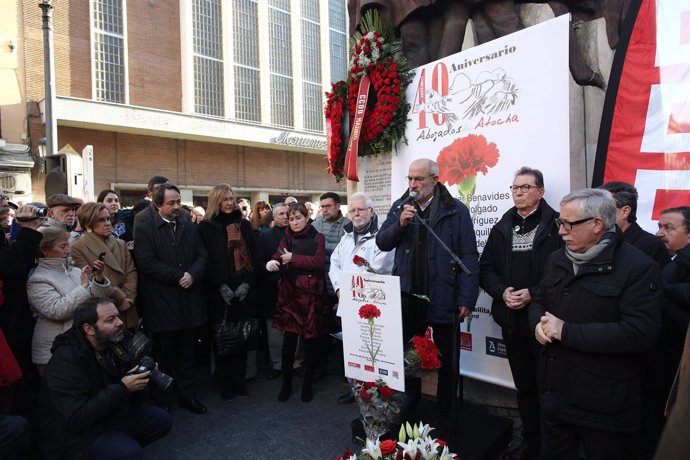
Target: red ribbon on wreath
353, 145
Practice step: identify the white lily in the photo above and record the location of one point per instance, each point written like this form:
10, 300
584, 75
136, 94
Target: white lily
402, 435
411, 448
428, 447
373, 449
446, 455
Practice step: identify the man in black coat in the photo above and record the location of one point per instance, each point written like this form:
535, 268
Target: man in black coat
596, 309
661, 361
17, 259
90, 404
267, 282
510, 269
172, 261
626, 197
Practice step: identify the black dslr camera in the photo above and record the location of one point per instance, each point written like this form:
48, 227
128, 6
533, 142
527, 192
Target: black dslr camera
139, 346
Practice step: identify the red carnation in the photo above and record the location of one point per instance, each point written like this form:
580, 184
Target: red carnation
369, 311
388, 446
465, 157
359, 261
364, 394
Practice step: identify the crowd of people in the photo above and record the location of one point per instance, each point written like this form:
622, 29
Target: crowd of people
593, 309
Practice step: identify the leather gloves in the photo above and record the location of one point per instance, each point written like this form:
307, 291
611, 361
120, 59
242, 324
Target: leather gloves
226, 293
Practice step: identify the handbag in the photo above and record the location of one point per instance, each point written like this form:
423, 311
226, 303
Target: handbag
236, 336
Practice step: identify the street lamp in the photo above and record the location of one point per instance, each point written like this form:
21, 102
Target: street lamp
49, 76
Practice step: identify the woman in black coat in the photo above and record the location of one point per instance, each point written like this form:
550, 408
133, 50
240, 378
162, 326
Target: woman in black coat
231, 246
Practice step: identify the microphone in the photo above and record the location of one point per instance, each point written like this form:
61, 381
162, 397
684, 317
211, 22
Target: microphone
410, 198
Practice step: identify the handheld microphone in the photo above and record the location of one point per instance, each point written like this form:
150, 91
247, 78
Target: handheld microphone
410, 198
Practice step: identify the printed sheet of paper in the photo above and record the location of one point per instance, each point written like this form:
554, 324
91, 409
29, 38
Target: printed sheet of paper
372, 328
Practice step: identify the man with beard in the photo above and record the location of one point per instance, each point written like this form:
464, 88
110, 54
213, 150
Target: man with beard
359, 240
172, 262
430, 293
90, 404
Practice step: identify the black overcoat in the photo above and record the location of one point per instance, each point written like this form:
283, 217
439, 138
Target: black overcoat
162, 259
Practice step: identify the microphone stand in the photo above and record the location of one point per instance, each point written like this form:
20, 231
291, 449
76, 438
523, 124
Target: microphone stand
456, 265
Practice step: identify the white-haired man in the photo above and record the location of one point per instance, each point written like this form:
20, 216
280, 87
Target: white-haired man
596, 309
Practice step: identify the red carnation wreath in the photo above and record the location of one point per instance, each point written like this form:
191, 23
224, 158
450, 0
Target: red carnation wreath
375, 54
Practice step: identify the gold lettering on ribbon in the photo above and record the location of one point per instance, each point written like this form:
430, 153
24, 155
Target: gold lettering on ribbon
353, 144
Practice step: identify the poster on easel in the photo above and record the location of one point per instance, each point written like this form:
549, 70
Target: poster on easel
372, 328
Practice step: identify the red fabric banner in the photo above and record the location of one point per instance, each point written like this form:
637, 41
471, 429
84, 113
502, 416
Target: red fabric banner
353, 144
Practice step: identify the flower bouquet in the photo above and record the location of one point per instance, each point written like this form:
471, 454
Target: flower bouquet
422, 355
378, 404
414, 442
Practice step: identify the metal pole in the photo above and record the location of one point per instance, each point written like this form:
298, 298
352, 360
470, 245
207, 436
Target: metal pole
49, 77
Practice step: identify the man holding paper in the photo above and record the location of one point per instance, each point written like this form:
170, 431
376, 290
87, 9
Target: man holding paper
357, 251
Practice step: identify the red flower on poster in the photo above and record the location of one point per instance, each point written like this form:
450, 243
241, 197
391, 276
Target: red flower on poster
466, 157
369, 311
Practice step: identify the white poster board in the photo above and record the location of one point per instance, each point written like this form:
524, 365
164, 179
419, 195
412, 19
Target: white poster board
372, 348
513, 93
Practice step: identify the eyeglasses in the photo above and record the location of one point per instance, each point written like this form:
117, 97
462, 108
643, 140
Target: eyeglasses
356, 210
524, 188
569, 225
418, 178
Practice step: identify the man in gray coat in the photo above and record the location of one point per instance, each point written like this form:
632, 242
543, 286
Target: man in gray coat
172, 260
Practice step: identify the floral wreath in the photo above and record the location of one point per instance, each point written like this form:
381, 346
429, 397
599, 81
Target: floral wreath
375, 52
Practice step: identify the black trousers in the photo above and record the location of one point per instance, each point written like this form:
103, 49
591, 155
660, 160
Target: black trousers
175, 353
561, 441
523, 354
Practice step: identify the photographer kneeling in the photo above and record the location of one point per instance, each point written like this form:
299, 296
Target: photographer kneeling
91, 401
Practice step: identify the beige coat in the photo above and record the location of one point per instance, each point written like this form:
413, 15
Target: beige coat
119, 269
54, 290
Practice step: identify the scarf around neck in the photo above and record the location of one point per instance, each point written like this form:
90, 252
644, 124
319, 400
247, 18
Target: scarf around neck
590, 254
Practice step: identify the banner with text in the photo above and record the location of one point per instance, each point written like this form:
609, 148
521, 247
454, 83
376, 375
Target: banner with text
372, 328
482, 114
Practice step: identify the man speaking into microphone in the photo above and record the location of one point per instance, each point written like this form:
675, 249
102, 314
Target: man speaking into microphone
429, 296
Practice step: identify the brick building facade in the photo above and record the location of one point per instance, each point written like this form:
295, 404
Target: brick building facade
137, 80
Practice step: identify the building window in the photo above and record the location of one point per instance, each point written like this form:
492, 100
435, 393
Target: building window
280, 60
311, 67
109, 50
338, 39
207, 35
246, 51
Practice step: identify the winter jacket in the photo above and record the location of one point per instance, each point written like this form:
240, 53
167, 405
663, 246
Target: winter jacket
676, 281
333, 231
55, 291
16, 262
79, 398
647, 243
380, 261
454, 226
612, 312
221, 266
267, 282
302, 307
495, 265
119, 269
162, 259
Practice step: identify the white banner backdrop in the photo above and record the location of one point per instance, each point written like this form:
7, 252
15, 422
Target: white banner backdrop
372, 328
490, 109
